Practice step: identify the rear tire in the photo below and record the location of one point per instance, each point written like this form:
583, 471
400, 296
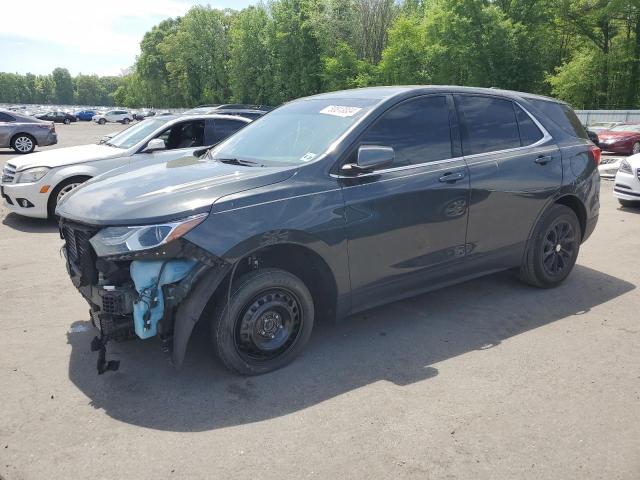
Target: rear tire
635, 148
23, 143
266, 323
553, 249
67, 121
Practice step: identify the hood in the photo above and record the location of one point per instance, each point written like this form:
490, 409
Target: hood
162, 192
67, 156
616, 135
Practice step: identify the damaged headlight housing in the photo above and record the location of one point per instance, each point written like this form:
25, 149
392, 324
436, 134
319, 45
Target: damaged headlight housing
31, 175
113, 241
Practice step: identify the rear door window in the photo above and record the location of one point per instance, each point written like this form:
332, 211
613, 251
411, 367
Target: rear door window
418, 130
488, 124
225, 128
562, 115
529, 131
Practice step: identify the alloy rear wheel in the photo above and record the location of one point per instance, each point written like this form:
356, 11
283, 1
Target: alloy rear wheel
553, 249
23, 143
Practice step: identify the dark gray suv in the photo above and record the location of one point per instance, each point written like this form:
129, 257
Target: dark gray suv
328, 206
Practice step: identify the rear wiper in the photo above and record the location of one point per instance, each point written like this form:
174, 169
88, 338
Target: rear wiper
236, 161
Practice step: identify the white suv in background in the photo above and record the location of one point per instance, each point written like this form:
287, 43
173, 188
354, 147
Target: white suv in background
120, 116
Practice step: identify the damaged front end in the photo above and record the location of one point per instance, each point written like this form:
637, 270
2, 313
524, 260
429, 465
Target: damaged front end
140, 282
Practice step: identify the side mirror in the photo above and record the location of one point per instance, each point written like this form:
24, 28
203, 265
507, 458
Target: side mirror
154, 145
370, 157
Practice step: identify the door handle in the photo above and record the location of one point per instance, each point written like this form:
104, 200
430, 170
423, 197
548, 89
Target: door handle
451, 177
543, 159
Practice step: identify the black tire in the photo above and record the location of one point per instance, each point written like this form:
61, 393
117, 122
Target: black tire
23, 143
53, 197
628, 203
635, 148
102, 121
67, 121
126, 121
266, 323
553, 249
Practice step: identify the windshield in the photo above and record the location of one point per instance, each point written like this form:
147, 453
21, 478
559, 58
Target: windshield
295, 133
132, 135
626, 128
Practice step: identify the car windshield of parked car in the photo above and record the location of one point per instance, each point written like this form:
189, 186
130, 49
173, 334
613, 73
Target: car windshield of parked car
626, 128
296, 133
132, 135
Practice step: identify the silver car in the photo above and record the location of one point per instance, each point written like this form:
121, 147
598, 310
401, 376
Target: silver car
23, 133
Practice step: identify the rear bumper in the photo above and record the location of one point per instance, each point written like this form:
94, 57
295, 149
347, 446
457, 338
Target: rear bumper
49, 139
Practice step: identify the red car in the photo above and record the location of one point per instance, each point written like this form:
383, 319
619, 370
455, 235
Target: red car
621, 139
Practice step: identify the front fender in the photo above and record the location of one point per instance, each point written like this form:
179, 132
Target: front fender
190, 310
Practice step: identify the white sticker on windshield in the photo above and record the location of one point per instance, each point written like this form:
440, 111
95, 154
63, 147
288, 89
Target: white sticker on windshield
307, 157
340, 110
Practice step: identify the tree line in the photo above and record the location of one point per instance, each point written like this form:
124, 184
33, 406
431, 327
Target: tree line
586, 52
59, 87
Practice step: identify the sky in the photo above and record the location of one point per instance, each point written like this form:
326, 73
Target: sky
84, 36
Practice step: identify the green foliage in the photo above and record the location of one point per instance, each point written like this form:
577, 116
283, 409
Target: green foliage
63, 85
584, 51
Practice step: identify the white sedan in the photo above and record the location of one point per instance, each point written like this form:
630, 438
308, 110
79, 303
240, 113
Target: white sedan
627, 183
34, 184
609, 166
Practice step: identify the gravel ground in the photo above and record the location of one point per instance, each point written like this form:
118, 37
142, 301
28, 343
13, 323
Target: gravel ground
489, 379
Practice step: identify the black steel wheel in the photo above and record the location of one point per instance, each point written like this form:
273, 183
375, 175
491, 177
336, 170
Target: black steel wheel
265, 324
553, 249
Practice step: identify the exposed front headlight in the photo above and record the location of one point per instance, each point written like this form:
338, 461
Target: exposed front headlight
625, 167
120, 240
31, 175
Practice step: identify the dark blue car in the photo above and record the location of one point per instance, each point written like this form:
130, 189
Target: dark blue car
85, 115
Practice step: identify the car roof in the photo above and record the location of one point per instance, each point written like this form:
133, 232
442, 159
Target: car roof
384, 93
203, 116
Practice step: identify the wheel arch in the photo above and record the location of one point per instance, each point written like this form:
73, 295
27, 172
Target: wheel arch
17, 134
296, 258
575, 204
54, 189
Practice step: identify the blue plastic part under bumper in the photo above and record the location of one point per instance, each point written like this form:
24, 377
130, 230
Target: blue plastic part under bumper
149, 276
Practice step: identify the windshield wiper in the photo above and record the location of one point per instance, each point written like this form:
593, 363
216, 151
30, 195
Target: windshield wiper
237, 161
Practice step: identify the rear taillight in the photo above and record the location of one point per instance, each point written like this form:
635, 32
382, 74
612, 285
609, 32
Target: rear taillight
595, 154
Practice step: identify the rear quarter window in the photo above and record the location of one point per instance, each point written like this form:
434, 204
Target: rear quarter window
562, 115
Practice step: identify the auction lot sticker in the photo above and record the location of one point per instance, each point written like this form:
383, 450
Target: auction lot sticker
340, 110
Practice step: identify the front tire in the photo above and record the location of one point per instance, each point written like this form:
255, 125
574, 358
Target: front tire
102, 121
67, 121
635, 148
553, 249
266, 323
23, 143
126, 121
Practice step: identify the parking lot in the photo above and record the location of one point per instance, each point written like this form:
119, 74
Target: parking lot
490, 379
